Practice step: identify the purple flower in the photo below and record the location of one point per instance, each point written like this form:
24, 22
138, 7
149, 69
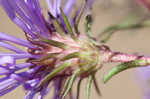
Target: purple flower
56, 51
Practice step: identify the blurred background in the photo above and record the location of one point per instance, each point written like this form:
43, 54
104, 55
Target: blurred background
126, 85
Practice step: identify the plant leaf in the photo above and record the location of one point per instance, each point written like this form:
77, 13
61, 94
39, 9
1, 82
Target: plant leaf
88, 86
124, 66
78, 88
67, 25
54, 72
71, 83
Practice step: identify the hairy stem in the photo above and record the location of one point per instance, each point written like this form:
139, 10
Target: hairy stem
110, 56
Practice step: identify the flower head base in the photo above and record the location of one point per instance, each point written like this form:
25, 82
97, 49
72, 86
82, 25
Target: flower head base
57, 53
67, 56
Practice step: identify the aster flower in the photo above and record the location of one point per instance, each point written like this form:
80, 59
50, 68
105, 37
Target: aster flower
57, 53
51, 45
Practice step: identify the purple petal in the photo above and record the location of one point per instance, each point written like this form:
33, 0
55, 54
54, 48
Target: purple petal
8, 90
68, 6
17, 67
30, 71
10, 47
3, 70
8, 60
34, 16
56, 7
30, 95
4, 36
30, 84
17, 77
7, 84
25, 19
12, 15
89, 3
50, 7
143, 78
18, 56
43, 92
23, 65
144, 74
146, 95
26, 15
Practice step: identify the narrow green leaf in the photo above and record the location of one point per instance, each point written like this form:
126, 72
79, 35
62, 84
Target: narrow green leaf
127, 24
65, 86
48, 56
58, 27
71, 55
71, 83
54, 72
78, 89
108, 37
88, 24
67, 24
77, 20
122, 67
96, 86
54, 43
88, 86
